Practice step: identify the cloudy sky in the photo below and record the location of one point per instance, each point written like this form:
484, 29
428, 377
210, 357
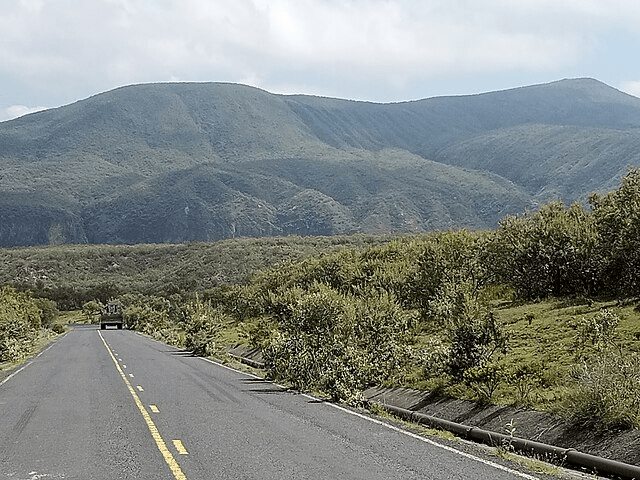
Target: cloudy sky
54, 52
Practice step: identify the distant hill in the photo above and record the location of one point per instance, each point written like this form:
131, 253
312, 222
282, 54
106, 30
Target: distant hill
206, 161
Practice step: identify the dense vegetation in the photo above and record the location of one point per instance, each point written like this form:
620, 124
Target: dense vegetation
538, 312
72, 275
22, 321
202, 162
449, 311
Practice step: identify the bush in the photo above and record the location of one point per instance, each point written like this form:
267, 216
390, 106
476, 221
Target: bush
91, 310
484, 380
607, 392
48, 311
336, 343
475, 334
20, 323
475, 343
597, 332
448, 259
58, 328
203, 324
146, 319
525, 378
617, 219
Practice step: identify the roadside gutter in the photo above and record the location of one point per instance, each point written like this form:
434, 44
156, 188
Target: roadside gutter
392, 404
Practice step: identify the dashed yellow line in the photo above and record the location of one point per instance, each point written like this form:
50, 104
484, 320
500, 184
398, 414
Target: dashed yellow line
162, 446
140, 389
180, 447
154, 409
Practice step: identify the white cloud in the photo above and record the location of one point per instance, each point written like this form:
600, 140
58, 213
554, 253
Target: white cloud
15, 111
632, 87
325, 46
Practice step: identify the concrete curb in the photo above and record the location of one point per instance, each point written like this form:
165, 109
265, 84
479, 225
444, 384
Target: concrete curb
529, 447
246, 361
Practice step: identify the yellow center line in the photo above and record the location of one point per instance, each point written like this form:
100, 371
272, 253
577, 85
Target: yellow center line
162, 446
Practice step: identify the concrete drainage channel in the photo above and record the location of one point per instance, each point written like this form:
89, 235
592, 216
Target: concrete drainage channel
570, 456
528, 447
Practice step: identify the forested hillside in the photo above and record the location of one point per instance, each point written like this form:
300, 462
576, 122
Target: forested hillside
202, 162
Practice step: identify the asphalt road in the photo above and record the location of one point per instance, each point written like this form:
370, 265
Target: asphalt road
115, 405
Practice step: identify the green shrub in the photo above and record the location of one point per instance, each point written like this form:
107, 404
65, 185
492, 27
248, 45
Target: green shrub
336, 343
203, 324
617, 219
448, 259
433, 357
48, 311
552, 252
20, 323
145, 318
475, 343
525, 378
58, 328
484, 380
597, 333
475, 334
607, 392
91, 310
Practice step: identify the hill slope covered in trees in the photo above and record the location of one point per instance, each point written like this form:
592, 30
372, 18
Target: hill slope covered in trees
185, 162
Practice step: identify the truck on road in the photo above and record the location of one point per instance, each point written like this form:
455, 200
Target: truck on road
111, 316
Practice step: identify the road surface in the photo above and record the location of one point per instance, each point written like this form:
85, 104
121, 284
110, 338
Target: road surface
113, 404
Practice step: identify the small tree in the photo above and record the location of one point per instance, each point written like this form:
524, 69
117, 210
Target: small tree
617, 219
20, 323
597, 332
525, 378
475, 342
552, 252
91, 310
484, 380
448, 259
606, 392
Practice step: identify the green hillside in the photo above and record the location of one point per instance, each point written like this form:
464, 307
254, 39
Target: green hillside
203, 162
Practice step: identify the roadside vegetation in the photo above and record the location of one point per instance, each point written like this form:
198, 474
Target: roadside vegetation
541, 312
24, 322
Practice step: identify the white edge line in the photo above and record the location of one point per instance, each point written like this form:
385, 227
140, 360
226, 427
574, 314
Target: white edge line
430, 442
25, 365
387, 425
365, 417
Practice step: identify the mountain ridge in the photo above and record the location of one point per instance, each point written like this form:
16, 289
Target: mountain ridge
177, 162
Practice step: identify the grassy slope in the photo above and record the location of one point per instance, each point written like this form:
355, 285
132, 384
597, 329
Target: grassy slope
547, 344
549, 341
